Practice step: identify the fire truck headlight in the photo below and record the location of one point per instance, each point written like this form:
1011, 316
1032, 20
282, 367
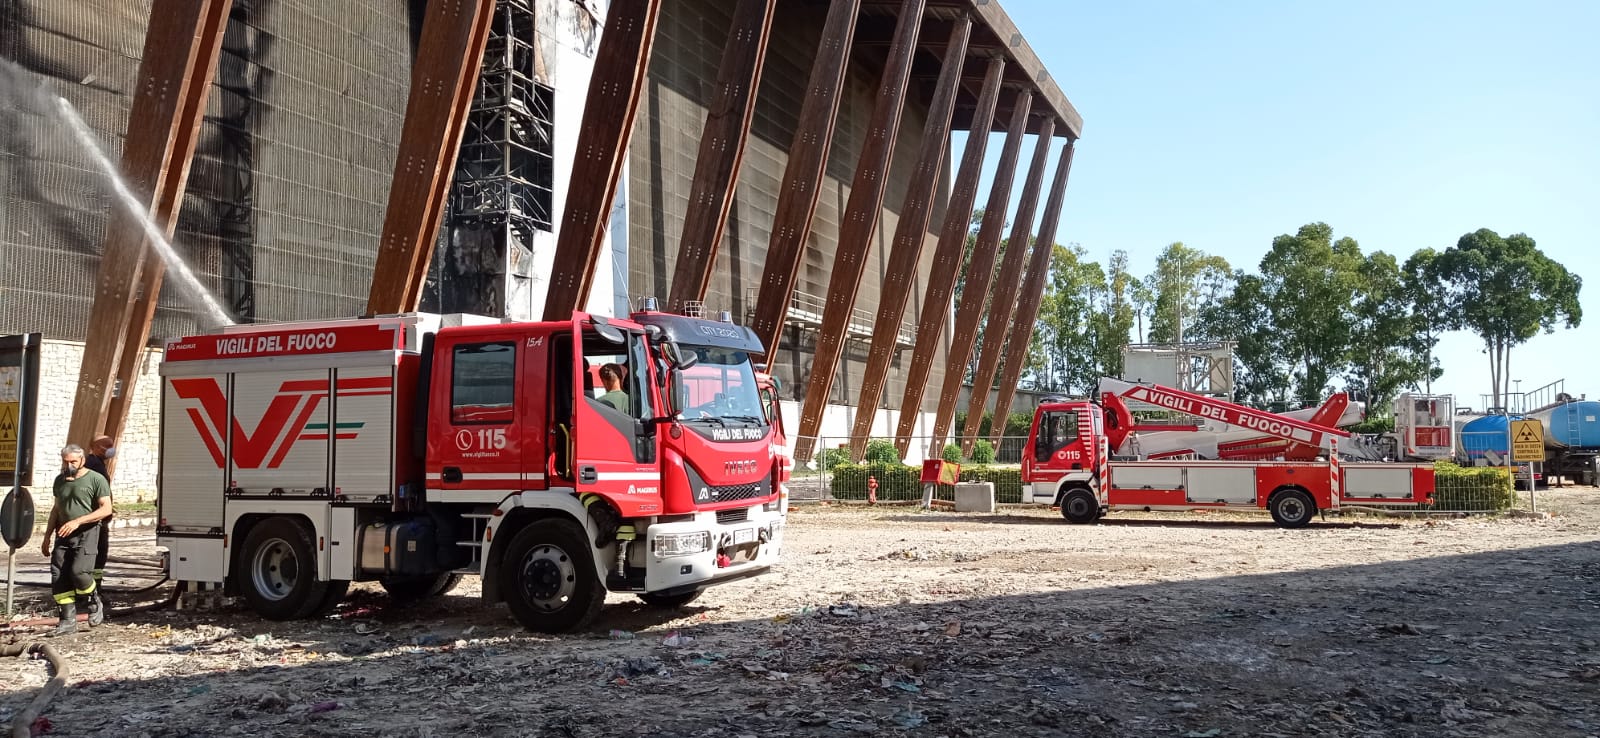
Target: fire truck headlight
681, 544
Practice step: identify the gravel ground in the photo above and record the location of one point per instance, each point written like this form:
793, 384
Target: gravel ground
896, 622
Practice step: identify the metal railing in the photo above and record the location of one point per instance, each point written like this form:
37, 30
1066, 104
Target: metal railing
806, 309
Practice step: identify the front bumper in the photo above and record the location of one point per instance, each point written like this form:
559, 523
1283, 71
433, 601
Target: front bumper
738, 549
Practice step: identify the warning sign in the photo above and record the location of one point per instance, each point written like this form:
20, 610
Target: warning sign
8, 436
1527, 441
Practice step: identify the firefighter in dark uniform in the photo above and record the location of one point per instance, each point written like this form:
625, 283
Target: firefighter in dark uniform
82, 501
101, 451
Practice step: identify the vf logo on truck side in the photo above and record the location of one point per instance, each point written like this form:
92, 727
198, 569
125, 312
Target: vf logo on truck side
286, 422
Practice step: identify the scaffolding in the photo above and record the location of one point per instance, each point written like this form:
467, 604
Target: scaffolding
504, 178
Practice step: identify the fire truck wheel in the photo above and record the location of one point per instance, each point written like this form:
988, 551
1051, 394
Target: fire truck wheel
1292, 508
277, 575
1080, 506
670, 601
416, 589
549, 578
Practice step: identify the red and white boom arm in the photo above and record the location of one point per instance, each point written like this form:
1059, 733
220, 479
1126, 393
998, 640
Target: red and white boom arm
1115, 394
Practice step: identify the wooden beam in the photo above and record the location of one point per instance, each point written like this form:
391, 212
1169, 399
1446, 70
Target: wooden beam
909, 235
1005, 295
620, 70
180, 56
975, 291
443, 81
860, 220
947, 255
1032, 293
802, 175
716, 169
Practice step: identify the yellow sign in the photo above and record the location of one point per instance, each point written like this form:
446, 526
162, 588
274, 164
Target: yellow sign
8, 436
1527, 441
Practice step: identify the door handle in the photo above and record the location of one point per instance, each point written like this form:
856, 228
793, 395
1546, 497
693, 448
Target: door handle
587, 475
451, 474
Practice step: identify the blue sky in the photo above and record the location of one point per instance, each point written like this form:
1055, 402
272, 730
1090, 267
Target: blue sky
1402, 125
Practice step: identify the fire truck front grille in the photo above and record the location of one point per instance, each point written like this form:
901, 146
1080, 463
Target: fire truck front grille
739, 492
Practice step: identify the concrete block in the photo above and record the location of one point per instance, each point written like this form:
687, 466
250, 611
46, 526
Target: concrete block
975, 497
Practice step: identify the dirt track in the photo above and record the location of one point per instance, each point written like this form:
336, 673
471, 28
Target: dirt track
892, 621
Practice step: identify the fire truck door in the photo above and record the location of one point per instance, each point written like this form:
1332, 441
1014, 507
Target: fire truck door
480, 448
614, 449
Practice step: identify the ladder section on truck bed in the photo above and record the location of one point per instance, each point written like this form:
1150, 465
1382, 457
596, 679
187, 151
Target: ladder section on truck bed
1282, 427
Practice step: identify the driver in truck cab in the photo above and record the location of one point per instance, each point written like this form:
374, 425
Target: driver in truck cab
611, 378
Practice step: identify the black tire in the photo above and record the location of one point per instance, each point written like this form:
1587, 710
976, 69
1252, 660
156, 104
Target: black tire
1292, 508
548, 577
277, 570
1080, 506
670, 602
419, 588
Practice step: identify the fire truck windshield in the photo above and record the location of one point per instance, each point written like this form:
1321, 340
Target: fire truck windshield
720, 388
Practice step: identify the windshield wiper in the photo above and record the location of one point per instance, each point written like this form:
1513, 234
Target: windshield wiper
711, 418
752, 418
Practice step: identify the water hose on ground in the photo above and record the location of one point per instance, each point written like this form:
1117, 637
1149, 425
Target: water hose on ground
22, 722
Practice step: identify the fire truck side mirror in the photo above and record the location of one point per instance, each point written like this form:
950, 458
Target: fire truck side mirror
610, 332
677, 357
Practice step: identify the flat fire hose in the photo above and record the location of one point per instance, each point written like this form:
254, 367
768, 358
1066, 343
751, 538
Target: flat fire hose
22, 722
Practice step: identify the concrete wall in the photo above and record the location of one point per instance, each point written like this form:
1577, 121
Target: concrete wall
135, 477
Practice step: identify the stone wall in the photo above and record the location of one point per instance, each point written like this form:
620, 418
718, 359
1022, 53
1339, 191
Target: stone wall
139, 449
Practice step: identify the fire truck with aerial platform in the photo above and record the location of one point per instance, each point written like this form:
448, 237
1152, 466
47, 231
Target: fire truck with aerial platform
1068, 461
415, 449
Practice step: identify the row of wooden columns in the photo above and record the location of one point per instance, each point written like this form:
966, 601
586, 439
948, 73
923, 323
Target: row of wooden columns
180, 55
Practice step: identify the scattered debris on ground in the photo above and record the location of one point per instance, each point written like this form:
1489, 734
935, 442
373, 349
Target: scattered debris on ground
898, 622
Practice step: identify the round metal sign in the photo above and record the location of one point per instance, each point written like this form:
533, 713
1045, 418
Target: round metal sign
16, 518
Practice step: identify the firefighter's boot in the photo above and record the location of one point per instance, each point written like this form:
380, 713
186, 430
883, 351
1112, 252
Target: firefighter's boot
69, 620
97, 609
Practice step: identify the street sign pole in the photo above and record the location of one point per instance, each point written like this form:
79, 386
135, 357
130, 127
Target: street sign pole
11, 582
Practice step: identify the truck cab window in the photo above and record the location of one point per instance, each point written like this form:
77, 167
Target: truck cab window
483, 384
1056, 429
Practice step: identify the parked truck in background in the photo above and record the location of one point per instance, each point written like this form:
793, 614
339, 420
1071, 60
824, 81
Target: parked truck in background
1068, 463
415, 449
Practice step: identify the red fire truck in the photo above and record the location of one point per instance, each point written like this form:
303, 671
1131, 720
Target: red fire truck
415, 449
1068, 463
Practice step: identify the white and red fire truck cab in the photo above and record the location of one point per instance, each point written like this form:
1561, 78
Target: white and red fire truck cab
415, 449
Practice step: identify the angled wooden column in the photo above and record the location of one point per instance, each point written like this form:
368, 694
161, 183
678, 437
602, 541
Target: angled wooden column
716, 168
1032, 293
910, 233
860, 220
620, 69
1006, 286
802, 176
181, 46
443, 81
975, 292
952, 243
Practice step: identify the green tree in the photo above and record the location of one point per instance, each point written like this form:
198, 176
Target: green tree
1064, 338
1244, 316
1115, 318
1385, 351
1309, 283
1505, 290
1184, 282
1429, 301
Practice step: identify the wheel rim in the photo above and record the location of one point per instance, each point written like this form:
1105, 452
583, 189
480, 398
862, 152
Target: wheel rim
1292, 508
548, 577
1077, 507
274, 569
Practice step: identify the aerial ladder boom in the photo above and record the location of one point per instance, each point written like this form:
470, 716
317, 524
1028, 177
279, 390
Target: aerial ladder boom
1297, 438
